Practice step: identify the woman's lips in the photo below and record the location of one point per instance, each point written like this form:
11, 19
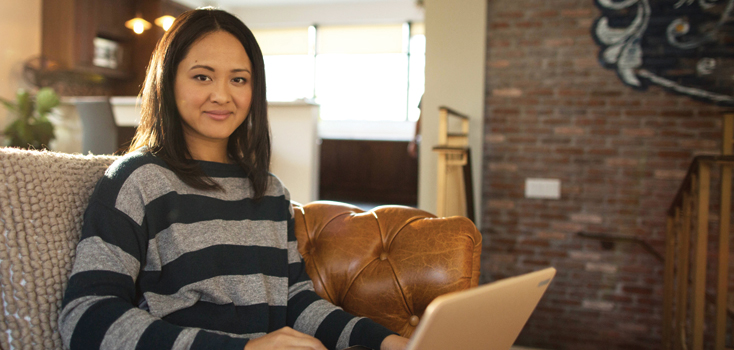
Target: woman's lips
218, 115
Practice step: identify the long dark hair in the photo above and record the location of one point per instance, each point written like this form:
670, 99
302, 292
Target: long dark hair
160, 128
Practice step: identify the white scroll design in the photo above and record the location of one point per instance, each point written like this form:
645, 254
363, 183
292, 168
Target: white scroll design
623, 44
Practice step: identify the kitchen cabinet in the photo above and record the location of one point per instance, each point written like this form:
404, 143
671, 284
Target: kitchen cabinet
69, 30
89, 39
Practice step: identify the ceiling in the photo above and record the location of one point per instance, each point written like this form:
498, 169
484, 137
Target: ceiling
266, 3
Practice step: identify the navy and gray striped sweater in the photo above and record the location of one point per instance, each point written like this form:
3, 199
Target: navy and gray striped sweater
161, 265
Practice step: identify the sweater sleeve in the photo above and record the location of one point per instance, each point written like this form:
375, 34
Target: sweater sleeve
310, 314
99, 309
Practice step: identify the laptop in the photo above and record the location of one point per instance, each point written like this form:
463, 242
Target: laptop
489, 317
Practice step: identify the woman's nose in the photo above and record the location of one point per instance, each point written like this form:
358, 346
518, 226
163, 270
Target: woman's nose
220, 93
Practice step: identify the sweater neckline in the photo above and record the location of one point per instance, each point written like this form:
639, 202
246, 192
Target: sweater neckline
214, 169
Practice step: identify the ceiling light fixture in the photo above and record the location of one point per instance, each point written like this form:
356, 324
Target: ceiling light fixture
165, 22
138, 24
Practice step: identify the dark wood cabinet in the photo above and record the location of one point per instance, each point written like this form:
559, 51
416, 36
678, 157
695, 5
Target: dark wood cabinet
70, 27
144, 44
379, 172
111, 18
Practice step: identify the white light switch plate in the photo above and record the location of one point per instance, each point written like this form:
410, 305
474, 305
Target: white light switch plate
543, 188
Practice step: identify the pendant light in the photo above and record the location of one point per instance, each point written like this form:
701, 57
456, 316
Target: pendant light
138, 24
165, 22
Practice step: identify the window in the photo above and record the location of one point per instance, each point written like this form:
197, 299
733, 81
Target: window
365, 73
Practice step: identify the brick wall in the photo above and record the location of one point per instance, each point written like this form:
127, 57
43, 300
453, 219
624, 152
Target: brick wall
552, 111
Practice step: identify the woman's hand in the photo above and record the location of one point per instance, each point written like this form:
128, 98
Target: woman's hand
283, 339
394, 342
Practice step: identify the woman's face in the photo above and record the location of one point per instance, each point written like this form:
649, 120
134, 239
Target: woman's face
213, 90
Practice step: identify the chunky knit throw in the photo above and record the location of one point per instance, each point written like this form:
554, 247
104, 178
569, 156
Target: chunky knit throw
43, 196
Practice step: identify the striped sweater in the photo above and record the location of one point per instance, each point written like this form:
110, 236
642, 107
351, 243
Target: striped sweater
161, 265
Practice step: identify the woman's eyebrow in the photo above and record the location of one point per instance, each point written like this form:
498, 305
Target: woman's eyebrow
236, 70
202, 66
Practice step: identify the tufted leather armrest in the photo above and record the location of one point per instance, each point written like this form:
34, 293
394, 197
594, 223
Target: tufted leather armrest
387, 264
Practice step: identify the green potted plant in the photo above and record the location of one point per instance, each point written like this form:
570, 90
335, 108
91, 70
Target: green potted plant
31, 129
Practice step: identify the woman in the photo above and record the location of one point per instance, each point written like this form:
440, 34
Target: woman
188, 241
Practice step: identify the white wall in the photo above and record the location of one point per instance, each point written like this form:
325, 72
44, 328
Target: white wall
20, 25
337, 13
455, 76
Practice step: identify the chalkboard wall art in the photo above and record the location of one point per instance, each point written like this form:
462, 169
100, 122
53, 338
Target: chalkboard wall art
686, 46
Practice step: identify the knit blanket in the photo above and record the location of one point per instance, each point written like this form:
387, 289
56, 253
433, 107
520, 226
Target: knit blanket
43, 196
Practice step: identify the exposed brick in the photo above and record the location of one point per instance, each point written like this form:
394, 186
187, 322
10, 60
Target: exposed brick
626, 102
603, 151
620, 154
503, 167
584, 22
572, 92
529, 24
621, 162
536, 262
544, 14
606, 93
580, 34
605, 131
633, 327
510, 14
677, 114
495, 43
567, 226
559, 42
599, 305
670, 174
495, 138
506, 111
555, 121
639, 132
637, 290
591, 122
552, 235
699, 144
509, 92
568, 131
500, 204
499, 63
499, 25
534, 242
530, 42
575, 13
674, 154
586, 218
540, 92
601, 267
585, 62
503, 258
582, 255
643, 113
679, 134
569, 150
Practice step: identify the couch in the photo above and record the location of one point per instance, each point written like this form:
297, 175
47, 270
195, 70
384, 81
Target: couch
386, 264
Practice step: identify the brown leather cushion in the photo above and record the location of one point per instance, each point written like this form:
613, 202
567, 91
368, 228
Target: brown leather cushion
387, 264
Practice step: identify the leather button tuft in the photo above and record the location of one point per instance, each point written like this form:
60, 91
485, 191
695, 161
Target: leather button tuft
414, 320
383, 256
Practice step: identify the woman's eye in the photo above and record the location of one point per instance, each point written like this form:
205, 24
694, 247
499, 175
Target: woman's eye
201, 77
240, 80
